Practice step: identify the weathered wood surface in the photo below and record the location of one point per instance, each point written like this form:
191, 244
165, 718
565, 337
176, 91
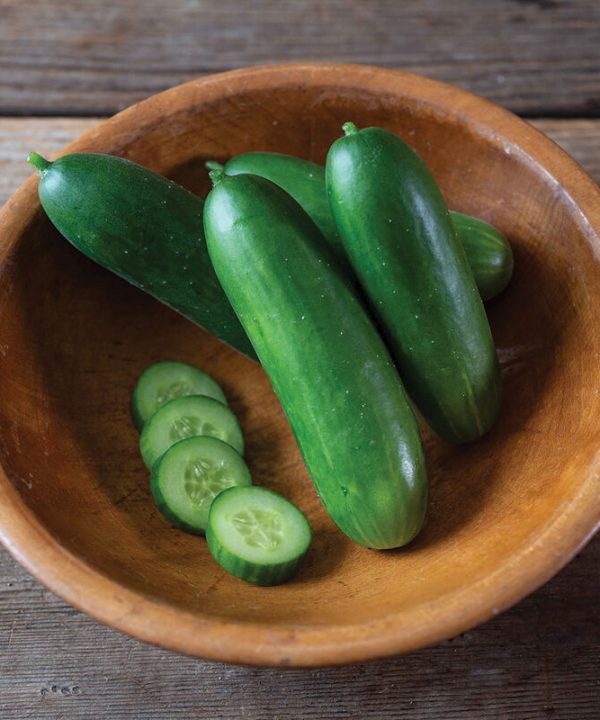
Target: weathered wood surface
19, 136
540, 57
539, 661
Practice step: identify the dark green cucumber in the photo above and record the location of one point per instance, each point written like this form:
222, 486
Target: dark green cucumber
487, 250
257, 535
302, 179
189, 476
327, 363
144, 228
397, 232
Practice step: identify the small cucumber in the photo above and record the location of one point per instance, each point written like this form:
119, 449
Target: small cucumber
186, 417
189, 476
257, 535
302, 179
488, 251
400, 241
325, 359
166, 381
144, 228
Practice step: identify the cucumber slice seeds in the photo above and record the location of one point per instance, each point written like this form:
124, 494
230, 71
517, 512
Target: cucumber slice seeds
257, 535
185, 417
189, 476
166, 381
192, 443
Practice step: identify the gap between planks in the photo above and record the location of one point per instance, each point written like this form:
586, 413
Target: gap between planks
19, 136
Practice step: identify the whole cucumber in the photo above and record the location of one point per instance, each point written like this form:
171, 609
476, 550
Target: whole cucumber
144, 228
327, 363
400, 240
488, 252
302, 179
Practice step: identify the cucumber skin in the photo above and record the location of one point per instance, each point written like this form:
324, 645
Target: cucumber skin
144, 228
161, 504
136, 416
265, 575
331, 371
302, 179
488, 252
399, 238
144, 443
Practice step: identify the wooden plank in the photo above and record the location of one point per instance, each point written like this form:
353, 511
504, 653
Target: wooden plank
539, 661
18, 136
76, 57
580, 138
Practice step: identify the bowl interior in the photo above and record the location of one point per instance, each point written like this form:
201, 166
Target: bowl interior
73, 340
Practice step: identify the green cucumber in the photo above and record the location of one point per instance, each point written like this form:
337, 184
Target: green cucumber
144, 228
167, 380
402, 245
302, 179
326, 361
257, 535
488, 252
185, 417
189, 476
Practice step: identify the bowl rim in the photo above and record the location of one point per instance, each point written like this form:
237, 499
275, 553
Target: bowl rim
157, 622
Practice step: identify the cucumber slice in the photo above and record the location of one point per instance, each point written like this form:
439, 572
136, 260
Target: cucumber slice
257, 535
166, 381
185, 417
189, 476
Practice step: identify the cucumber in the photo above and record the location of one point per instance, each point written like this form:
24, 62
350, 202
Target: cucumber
327, 363
144, 228
190, 474
302, 179
401, 243
185, 417
257, 535
488, 252
166, 381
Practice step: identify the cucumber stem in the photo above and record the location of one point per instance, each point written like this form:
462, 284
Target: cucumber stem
216, 176
213, 165
349, 128
38, 161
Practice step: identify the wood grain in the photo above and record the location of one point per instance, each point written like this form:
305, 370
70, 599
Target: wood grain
76, 57
538, 661
19, 136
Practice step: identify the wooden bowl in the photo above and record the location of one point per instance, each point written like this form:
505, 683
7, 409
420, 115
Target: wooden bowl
506, 512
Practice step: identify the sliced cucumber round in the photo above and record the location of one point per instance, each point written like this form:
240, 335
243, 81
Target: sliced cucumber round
166, 381
189, 476
257, 535
186, 417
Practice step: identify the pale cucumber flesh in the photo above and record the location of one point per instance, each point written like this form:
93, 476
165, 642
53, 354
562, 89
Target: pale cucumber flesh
190, 475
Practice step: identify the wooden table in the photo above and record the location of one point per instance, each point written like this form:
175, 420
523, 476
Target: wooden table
66, 63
